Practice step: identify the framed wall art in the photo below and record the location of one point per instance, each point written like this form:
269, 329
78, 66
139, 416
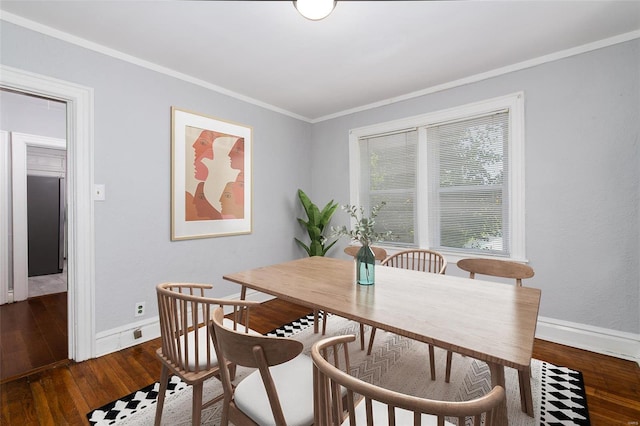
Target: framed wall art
210, 176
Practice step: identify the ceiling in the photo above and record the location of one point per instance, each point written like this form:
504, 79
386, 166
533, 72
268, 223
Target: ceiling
365, 53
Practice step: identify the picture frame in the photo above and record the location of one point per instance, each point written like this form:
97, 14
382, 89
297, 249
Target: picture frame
211, 181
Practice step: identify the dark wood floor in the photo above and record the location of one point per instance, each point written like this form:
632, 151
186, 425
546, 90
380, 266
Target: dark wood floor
33, 335
65, 394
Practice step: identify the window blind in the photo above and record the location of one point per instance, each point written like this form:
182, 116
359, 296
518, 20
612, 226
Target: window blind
468, 175
388, 173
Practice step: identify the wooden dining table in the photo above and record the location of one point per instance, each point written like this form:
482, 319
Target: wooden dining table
489, 321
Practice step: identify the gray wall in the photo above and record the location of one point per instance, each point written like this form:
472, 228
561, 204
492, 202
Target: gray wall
582, 118
582, 176
132, 158
32, 115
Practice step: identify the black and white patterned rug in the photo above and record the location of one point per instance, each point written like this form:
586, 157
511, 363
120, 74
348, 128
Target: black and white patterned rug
296, 326
559, 395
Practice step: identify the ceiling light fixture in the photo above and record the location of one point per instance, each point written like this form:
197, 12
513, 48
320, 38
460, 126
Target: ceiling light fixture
314, 9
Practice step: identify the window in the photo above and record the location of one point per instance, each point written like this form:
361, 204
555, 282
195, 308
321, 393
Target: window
452, 180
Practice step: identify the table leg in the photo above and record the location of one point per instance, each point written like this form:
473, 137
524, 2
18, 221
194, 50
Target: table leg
243, 296
243, 292
500, 416
526, 399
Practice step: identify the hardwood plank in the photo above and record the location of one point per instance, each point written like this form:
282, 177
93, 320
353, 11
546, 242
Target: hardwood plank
33, 335
107, 379
44, 404
611, 406
62, 406
17, 403
66, 382
136, 372
15, 315
125, 372
55, 330
15, 357
88, 386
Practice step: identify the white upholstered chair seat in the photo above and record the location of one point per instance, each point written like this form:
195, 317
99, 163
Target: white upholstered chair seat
294, 383
202, 349
381, 416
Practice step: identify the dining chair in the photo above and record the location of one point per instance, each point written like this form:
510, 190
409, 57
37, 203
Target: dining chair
379, 254
417, 260
502, 269
187, 349
496, 268
279, 392
377, 405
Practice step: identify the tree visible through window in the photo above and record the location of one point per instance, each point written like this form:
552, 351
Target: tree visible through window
470, 157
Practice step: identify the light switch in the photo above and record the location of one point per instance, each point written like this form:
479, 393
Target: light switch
98, 192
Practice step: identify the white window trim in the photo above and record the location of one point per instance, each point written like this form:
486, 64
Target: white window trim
515, 103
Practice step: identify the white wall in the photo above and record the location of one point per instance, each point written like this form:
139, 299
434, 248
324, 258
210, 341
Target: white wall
582, 177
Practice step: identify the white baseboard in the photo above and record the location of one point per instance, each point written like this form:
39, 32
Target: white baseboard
595, 339
122, 337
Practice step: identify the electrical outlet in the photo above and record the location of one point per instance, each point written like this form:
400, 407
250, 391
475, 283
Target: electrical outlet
99, 192
139, 309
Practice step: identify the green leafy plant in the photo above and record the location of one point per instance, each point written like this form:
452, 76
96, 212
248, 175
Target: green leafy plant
316, 223
364, 229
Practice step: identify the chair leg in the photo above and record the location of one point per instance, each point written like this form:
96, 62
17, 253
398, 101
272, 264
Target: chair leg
164, 382
324, 322
432, 362
196, 413
526, 399
232, 371
447, 375
224, 418
361, 336
373, 335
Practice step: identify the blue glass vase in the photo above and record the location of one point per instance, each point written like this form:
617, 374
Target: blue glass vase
365, 266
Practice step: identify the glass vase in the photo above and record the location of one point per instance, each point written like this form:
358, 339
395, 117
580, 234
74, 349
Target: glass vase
365, 266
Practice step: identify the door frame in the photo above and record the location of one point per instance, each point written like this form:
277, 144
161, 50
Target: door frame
5, 179
81, 240
19, 144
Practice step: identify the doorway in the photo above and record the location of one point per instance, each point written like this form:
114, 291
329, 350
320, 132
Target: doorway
41, 162
81, 257
35, 326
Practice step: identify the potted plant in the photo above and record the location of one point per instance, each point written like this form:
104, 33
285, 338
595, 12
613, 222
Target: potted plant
316, 224
364, 232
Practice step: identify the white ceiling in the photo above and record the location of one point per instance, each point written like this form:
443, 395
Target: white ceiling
365, 53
